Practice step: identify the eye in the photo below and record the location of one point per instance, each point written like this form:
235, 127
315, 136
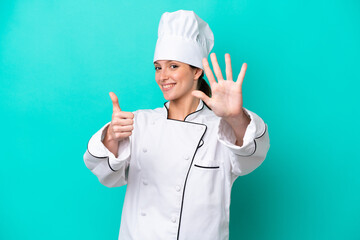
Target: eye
157, 68
173, 66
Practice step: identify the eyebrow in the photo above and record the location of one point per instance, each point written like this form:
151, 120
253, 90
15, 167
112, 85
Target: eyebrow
167, 61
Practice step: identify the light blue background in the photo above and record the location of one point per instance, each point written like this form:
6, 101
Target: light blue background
59, 60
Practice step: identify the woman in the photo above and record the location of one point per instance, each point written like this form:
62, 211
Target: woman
179, 161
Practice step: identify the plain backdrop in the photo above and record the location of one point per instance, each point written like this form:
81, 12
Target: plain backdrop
60, 59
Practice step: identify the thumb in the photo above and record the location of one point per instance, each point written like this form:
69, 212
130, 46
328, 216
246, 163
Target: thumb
201, 95
115, 101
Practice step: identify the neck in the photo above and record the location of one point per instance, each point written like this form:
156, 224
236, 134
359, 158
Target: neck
180, 108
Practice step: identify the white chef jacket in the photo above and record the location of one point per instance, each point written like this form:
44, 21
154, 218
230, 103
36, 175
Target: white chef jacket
179, 174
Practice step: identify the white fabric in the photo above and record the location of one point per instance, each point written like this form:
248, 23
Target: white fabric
179, 174
183, 36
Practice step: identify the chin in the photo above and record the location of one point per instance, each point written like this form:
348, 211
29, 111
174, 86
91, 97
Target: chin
170, 97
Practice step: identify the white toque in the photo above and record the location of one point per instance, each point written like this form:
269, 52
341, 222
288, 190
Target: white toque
183, 36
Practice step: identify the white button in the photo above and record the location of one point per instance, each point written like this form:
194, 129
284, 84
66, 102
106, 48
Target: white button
178, 188
144, 150
153, 122
145, 182
143, 214
173, 219
186, 157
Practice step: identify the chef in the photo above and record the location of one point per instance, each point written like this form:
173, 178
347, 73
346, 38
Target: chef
180, 161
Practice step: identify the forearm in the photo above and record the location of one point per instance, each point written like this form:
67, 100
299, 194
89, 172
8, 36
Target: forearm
111, 144
239, 124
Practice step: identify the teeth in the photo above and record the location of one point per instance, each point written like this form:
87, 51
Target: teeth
168, 86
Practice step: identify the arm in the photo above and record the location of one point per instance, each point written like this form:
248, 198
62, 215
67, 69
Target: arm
109, 143
255, 144
110, 170
239, 125
248, 141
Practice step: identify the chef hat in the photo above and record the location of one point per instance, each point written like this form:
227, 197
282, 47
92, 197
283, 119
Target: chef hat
183, 37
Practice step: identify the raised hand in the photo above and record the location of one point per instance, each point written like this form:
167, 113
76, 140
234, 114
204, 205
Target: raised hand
121, 125
226, 100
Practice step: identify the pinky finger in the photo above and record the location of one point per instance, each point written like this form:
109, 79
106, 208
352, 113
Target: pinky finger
241, 76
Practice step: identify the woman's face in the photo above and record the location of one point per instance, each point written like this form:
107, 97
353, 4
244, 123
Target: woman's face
176, 79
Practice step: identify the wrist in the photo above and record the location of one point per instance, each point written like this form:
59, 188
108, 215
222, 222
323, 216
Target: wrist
108, 136
241, 119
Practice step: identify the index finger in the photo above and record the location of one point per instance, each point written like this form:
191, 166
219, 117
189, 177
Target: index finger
115, 101
208, 71
216, 67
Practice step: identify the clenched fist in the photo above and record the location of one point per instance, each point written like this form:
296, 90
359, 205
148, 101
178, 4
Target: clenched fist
121, 126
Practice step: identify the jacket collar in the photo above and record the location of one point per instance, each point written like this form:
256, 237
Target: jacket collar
190, 116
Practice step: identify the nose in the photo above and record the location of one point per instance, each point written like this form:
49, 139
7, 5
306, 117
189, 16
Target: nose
163, 74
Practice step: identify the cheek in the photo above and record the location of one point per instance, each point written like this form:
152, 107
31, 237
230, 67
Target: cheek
182, 77
157, 79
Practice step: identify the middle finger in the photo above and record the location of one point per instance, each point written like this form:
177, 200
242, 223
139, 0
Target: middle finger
228, 67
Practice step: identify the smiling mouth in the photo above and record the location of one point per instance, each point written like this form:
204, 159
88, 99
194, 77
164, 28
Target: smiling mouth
167, 87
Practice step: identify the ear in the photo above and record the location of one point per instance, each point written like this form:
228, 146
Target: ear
198, 72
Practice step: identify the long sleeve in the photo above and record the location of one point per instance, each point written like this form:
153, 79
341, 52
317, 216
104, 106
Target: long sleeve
111, 171
255, 146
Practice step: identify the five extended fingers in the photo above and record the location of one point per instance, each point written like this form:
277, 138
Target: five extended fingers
217, 70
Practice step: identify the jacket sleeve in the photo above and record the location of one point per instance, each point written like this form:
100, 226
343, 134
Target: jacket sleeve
255, 146
111, 171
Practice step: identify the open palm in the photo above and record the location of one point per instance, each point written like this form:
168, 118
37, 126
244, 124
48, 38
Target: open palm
226, 100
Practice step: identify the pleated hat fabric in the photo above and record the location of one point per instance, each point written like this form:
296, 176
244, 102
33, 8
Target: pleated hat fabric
183, 36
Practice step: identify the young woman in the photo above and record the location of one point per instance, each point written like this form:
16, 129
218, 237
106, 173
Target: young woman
179, 161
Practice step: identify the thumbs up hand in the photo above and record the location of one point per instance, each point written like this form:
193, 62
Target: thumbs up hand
121, 125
